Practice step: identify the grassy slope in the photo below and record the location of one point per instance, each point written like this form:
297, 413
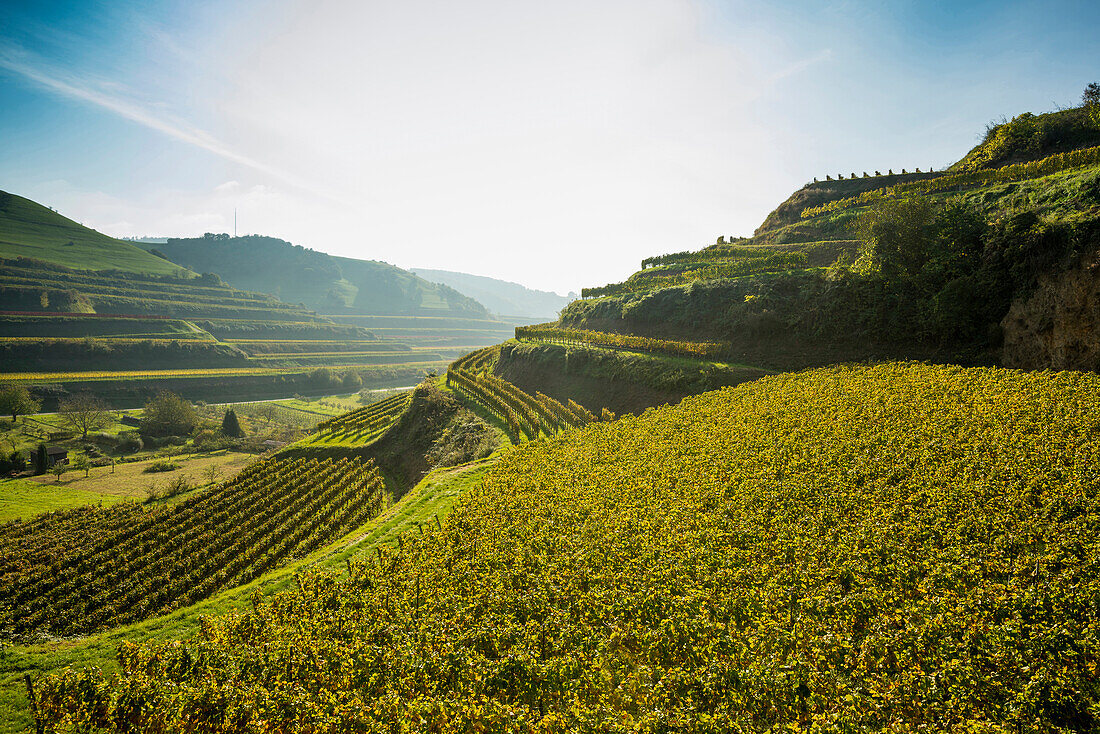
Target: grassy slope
622, 381
1027, 137
21, 498
433, 497
745, 308
28, 229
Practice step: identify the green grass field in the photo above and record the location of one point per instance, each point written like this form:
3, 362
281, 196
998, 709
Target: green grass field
31, 230
22, 498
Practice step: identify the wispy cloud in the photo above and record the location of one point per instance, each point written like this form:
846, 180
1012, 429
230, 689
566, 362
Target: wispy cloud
94, 92
799, 66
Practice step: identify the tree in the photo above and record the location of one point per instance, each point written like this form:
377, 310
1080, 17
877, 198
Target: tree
168, 415
16, 400
230, 425
58, 468
1091, 99
897, 236
82, 463
267, 411
84, 413
322, 377
16, 462
41, 459
352, 381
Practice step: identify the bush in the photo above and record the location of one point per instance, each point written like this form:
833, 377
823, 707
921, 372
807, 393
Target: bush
14, 462
103, 439
210, 440
160, 466
178, 485
129, 441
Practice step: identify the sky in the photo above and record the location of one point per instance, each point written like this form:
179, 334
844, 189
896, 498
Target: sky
550, 144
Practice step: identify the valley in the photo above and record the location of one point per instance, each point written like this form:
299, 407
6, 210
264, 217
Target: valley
835, 475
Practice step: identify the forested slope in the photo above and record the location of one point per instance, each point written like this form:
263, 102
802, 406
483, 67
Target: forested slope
321, 281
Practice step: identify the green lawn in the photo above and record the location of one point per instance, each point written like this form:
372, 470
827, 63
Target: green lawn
433, 497
31, 230
21, 499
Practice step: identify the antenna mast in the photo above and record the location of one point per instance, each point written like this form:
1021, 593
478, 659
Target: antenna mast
234, 222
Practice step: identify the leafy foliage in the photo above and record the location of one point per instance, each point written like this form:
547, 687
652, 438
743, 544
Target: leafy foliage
901, 547
1032, 169
168, 414
556, 335
649, 279
16, 400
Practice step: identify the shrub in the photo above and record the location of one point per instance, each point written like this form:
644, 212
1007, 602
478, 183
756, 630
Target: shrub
162, 465
210, 440
129, 441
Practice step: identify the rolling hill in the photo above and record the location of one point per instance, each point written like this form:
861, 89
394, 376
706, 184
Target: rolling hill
320, 281
846, 549
506, 299
30, 230
80, 311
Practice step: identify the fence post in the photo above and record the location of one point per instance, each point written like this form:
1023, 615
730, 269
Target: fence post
33, 703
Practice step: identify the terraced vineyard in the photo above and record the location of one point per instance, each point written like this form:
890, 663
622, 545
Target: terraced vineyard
78, 571
359, 427
898, 547
125, 375
525, 416
433, 331
1056, 163
553, 334
35, 285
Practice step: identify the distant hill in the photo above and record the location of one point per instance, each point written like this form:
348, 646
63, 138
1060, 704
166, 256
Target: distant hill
30, 230
321, 281
500, 296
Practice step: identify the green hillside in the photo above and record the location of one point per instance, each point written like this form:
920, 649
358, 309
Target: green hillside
80, 311
1028, 136
894, 548
321, 281
30, 230
904, 265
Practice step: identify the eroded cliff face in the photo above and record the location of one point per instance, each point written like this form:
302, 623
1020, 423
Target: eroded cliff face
1058, 325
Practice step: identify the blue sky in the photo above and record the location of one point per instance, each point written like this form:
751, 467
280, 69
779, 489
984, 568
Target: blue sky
554, 144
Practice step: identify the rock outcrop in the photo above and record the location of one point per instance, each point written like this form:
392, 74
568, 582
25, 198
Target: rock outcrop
1058, 325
